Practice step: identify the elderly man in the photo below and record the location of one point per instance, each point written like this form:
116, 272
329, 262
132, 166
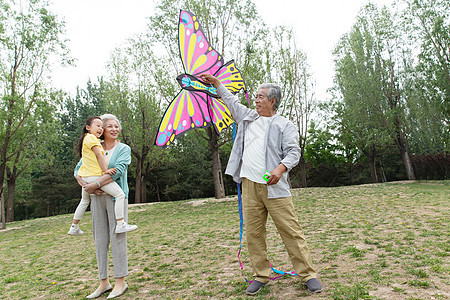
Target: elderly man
266, 141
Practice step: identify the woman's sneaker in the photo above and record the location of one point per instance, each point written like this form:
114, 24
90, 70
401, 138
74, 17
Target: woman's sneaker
75, 230
125, 227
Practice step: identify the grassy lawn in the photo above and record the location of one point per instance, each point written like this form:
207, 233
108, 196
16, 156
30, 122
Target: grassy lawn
383, 241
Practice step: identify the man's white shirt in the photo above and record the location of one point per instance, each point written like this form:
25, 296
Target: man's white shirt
253, 159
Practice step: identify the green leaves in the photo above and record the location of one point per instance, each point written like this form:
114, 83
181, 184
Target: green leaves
387, 90
426, 24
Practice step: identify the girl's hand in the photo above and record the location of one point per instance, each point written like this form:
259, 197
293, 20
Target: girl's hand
111, 171
98, 192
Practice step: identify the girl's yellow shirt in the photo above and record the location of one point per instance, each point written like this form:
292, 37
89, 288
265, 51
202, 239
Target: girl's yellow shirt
89, 162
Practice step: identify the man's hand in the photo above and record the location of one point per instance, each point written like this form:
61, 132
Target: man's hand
209, 79
276, 174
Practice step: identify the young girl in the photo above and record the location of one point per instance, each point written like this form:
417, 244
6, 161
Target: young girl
93, 165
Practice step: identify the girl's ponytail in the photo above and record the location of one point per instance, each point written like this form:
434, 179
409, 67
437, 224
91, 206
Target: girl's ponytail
79, 145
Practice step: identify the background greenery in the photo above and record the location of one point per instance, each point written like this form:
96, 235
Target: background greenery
387, 117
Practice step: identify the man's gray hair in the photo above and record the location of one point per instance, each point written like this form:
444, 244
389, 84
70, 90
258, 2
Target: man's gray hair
107, 117
274, 91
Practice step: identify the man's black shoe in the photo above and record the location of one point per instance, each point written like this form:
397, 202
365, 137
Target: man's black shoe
314, 285
254, 287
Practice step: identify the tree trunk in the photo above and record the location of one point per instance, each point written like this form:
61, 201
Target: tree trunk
373, 169
401, 145
383, 175
11, 182
303, 171
219, 189
2, 207
138, 181
372, 165
158, 197
143, 190
408, 165
371, 155
2, 198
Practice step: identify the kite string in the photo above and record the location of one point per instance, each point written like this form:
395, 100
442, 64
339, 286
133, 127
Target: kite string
241, 222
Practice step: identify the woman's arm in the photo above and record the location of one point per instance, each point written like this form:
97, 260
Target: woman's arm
102, 180
122, 161
77, 167
91, 187
120, 164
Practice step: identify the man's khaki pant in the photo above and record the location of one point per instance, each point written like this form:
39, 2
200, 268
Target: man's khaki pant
256, 205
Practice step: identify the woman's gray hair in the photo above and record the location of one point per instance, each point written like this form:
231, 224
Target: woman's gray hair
107, 117
273, 92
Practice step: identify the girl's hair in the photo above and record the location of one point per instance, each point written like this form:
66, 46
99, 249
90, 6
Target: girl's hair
83, 133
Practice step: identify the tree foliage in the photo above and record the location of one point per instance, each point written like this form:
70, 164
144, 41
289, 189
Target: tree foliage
30, 36
427, 26
390, 96
372, 64
136, 84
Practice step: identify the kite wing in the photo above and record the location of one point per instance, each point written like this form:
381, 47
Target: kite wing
220, 115
188, 110
197, 55
232, 79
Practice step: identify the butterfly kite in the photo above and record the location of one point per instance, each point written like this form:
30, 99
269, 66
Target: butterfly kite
197, 104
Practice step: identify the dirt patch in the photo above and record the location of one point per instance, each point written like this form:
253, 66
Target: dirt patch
210, 200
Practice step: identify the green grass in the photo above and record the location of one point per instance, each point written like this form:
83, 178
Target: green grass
383, 241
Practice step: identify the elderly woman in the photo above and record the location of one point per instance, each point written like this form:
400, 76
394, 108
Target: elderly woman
118, 155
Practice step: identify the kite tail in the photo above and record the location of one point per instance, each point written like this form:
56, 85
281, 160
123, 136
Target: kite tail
248, 101
241, 219
241, 223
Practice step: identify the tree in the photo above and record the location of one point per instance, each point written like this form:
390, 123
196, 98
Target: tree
372, 64
427, 26
34, 144
30, 35
392, 59
290, 67
135, 86
231, 28
354, 111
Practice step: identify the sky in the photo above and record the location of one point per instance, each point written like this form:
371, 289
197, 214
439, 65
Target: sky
96, 27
